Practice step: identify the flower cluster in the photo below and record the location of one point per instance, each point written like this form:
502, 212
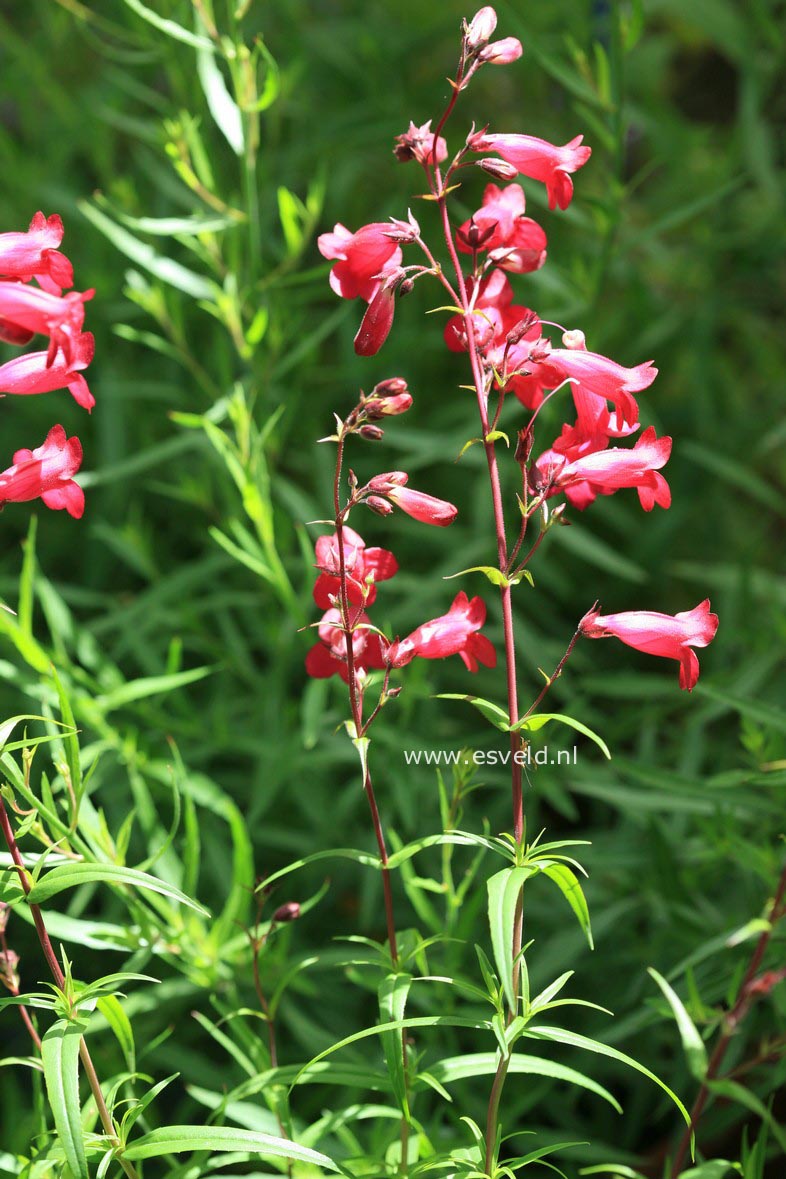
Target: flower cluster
33, 275
511, 348
349, 571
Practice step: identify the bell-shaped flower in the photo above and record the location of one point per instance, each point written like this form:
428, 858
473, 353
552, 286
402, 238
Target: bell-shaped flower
31, 372
598, 374
538, 159
46, 472
362, 259
34, 254
606, 471
454, 633
425, 508
58, 316
329, 656
365, 567
671, 636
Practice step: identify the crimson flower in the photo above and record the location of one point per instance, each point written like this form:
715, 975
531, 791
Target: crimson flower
607, 471
363, 259
34, 254
454, 633
364, 568
539, 160
32, 372
46, 472
33, 310
515, 243
378, 320
599, 375
329, 656
426, 508
672, 636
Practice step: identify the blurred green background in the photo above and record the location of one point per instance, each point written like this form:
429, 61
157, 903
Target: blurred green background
194, 552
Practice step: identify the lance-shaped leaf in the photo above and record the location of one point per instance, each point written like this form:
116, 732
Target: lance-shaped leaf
504, 889
60, 1058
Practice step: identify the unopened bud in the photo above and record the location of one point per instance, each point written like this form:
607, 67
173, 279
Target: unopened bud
380, 506
405, 286
352, 479
480, 29
392, 693
9, 976
371, 433
522, 328
575, 339
383, 483
500, 169
290, 911
390, 387
524, 446
501, 52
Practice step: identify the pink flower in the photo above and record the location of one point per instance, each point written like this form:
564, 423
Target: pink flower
515, 243
539, 160
501, 52
46, 472
362, 259
454, 633
426, 508
387, 399
58, 316
34, 254
417, 143
481, 28
672, 636
30, 373
607, 471
329, 656
364, 568
601, 376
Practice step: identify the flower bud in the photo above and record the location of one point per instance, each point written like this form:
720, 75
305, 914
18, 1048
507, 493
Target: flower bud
406, 286
376, 323
380, 506
480, 29
290, 911
522, 328
575, 340
371, 433
390, 387
501, 52
499, 169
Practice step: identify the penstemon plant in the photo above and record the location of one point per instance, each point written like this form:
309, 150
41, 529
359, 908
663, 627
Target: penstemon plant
515, 364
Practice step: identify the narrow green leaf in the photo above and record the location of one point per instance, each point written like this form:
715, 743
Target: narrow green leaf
115, 1016
153, 685
575, 1040
480, 1064
504, 889
393, 993
531, 724
568, 884
692, 1044
177, 1139
73, 875
337, 853
495, 576
169, 27
222, 106
60, 1058
492, 712
734, 1091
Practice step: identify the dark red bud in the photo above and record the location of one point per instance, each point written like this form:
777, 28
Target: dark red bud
380, 506
520, 329
500, 169
376, 323
371, 433
290, 911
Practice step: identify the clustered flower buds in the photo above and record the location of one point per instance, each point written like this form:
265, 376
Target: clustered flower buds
33, 273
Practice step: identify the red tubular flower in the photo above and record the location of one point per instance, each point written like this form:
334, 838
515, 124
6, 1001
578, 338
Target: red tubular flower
454, 633
377, 321
515, 243
607, 471
539, 160
58, 316
426, 508
329, 656
46, 472
362, 259
601, 376
31, 373
671, 636
364, 568
34, 254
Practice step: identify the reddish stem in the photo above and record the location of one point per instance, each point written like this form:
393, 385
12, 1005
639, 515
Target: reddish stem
731, 1022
